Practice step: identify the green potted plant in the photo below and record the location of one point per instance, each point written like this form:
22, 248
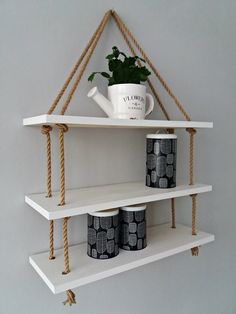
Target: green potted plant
126, 95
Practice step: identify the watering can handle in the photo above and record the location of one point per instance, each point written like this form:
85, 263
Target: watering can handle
150, 104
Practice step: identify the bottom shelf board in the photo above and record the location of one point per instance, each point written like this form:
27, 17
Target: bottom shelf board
162, 241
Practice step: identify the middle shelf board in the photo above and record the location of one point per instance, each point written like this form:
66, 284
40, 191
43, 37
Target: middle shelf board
91, 199
162, 241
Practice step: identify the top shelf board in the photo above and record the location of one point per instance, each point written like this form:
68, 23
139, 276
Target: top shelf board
95, 122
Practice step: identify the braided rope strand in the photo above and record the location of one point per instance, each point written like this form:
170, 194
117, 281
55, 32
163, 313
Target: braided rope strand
51, 240
191, 132
45, 130
194, 250
157, 74
193, 197
65, 246
62, 129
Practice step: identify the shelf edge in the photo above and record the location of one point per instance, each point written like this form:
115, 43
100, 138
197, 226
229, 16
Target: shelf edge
51, 215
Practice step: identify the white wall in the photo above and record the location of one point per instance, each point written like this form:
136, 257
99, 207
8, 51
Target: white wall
192, 43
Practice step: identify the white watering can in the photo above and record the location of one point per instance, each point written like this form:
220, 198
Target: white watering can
125, 101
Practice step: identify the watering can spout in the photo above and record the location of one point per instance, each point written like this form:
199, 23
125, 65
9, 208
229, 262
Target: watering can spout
102, 101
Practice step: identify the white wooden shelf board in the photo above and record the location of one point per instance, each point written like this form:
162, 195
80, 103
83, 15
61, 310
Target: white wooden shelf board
91, 199
78, 121
162, 241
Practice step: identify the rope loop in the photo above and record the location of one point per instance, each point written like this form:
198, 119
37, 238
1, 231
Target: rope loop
62, 127
45, 129
70, 298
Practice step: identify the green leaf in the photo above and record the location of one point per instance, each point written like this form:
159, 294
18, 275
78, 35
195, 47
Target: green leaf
91, 77
123, 68
105, 74
145, 71
123, 54
141, 59
114, 64
142, 77
111, 81
130, 61
116, 52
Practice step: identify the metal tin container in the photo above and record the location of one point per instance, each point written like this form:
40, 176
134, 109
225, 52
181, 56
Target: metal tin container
103, 234
161, 160
133, 227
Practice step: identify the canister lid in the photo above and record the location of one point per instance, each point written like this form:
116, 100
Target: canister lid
106, 213
134, 208
161, 136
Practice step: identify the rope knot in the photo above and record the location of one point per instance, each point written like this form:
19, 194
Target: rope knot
45, 129
170, 131
63, 127
191, 131
70, 298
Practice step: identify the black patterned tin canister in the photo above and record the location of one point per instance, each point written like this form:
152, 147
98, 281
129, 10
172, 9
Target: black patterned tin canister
103, 234
161, 160
133, 227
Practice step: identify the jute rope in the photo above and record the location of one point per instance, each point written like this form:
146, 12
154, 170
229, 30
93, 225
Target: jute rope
65, 245
157, 74
191, 132
62, 129
45, 130
51, 240
193, 197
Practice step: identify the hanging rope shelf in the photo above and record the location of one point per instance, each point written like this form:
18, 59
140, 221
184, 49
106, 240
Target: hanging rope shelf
76, 75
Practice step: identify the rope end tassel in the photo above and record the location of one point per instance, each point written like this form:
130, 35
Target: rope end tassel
70, 298
195, 251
